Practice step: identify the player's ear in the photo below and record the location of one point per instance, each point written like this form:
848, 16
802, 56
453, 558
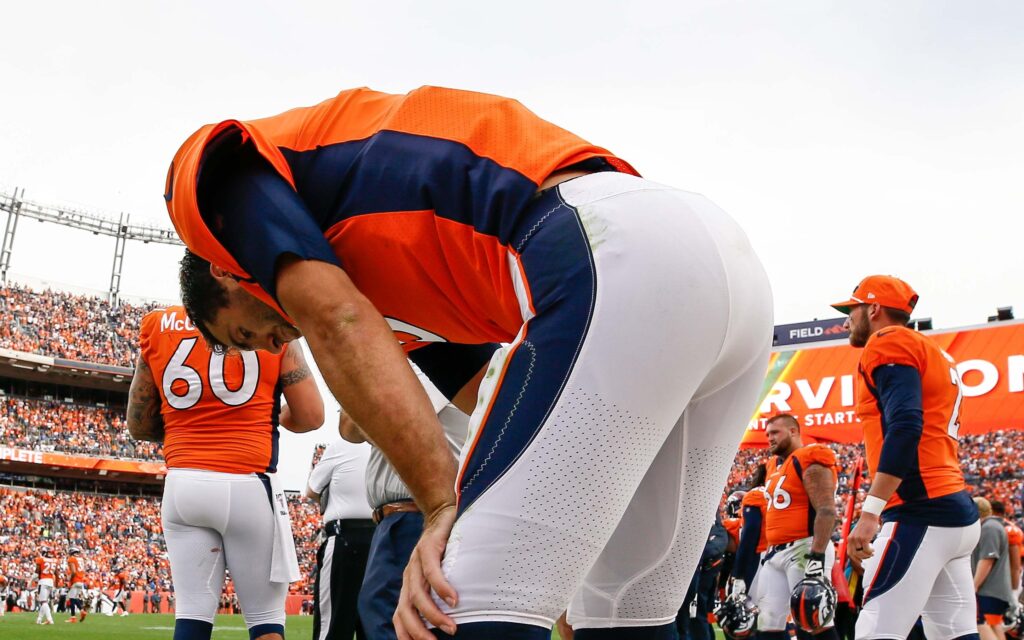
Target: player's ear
223, 276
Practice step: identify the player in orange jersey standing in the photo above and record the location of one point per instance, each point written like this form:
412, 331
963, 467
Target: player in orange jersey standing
444, 217
801, 515
46, 568
908, 400
76, 577
122, 592
217, 415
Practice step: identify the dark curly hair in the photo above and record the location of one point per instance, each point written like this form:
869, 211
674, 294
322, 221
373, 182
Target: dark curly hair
202, 295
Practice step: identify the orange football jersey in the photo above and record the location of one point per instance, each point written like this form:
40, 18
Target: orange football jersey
757, 498
1014, 535
935, 471
75, 569
732, 527
220, 410
790, 516
441, 220
45, 568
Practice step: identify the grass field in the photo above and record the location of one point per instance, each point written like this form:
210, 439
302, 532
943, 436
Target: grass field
22, 626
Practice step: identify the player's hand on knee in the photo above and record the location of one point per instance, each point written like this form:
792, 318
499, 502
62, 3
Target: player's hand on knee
422, 575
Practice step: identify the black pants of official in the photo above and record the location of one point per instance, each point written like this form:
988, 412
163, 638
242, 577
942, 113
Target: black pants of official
341, 563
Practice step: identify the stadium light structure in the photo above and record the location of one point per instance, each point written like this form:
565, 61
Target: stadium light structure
15, 205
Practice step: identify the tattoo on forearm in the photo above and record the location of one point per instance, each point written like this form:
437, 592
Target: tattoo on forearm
144, 419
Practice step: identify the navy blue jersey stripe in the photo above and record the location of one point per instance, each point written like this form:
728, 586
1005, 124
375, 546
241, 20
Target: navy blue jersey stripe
562, 280
394, 171
275, 433
953, 510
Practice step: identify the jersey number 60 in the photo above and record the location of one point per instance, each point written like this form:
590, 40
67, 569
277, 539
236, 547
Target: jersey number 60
177, 370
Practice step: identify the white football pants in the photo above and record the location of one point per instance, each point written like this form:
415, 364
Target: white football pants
214, 519
605, 432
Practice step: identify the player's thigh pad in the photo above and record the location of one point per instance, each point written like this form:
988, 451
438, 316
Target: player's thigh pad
633, 295
911, 565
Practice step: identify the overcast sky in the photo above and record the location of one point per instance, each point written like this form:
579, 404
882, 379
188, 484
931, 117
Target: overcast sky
846, 137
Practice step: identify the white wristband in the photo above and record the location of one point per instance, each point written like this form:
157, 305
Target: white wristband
873, 505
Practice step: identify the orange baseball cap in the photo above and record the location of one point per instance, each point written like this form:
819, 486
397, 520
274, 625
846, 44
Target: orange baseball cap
884, 290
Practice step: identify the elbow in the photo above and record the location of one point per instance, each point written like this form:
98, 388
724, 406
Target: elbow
314, 419
826, 513
336, 323
306, 419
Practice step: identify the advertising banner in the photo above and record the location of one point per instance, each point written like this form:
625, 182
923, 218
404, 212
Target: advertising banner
816, 384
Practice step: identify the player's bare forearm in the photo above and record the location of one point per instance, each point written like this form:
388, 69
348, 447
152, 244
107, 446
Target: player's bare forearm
1015, 566
144, 419
304, 410
820, 485
366, 370
981, 572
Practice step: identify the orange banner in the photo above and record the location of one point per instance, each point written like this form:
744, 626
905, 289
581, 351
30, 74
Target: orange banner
816, 385
51, 459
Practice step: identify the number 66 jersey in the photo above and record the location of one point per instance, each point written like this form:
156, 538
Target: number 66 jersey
220, 410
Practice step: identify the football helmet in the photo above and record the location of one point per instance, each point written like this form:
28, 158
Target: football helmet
813, 604
1013, 619
737, 616
734, 504
74, 551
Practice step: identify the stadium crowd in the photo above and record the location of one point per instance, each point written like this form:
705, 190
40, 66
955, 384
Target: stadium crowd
113, 532
65, 325
48, 425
